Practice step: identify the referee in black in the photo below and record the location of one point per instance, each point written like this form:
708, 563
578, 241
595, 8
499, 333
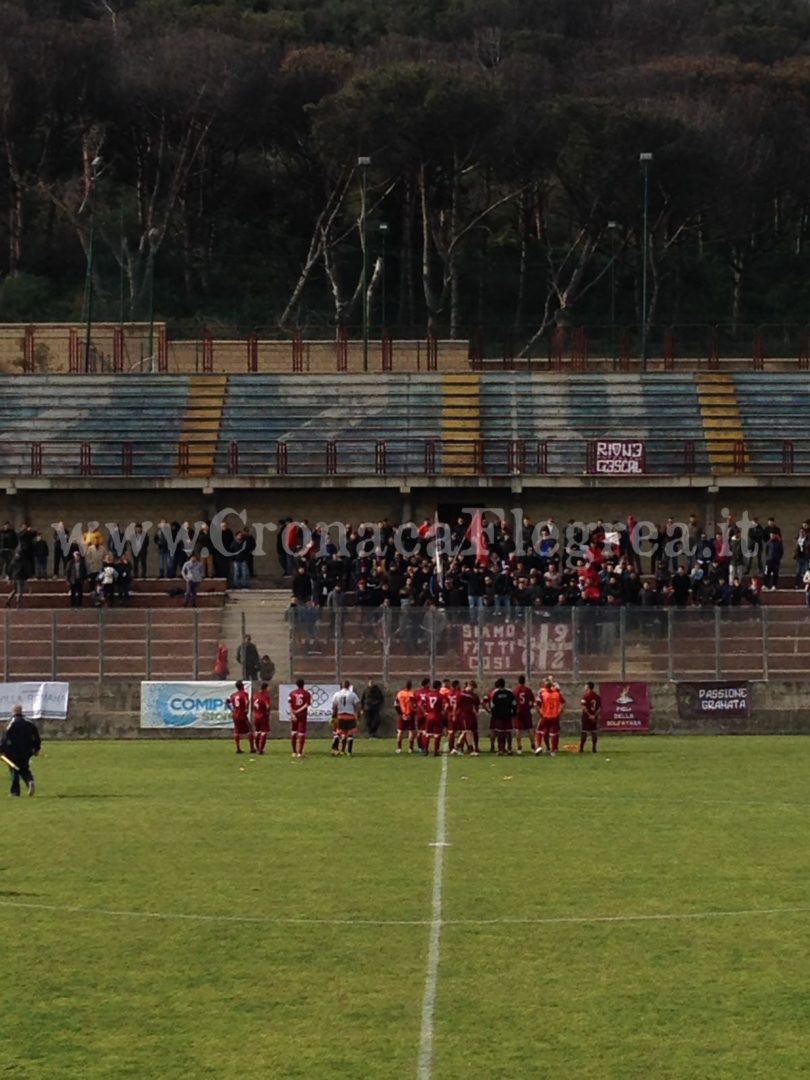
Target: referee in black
20, 742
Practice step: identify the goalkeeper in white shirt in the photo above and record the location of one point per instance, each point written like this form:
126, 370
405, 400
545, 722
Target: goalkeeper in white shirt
345, 710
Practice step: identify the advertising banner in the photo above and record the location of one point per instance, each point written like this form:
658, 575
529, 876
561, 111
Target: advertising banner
319, 710
728, 698
625, 706
186, 704
611, 457
40, 700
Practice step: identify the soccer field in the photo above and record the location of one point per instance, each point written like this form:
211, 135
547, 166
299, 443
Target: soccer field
643, 912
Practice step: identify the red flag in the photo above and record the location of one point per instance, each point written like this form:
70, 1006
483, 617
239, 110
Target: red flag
477, 536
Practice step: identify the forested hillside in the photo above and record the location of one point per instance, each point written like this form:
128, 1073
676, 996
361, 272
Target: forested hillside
215, 145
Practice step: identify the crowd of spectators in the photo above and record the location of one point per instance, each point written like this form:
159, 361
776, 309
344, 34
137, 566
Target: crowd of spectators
497, 570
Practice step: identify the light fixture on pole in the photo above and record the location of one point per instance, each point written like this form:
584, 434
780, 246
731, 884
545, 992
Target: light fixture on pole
612, 229
384, 237
645, 160
363, 164
95, 165
151, 236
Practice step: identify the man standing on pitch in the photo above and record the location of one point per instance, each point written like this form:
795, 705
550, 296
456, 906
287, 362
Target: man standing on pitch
524, 696
591, 714
502, 707
300, 701
20, 742
550, 704
261, 717
239, 704
345, 706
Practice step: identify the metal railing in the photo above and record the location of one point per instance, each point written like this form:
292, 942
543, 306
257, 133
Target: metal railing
102, 644
572, 643
400, 457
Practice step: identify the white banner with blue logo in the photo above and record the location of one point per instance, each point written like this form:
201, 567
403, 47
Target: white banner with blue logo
176, 705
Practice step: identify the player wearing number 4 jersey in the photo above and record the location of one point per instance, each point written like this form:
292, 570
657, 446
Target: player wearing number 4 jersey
261, 717
300, 701
591, 714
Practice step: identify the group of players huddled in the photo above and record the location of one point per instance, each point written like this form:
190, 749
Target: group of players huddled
427, 716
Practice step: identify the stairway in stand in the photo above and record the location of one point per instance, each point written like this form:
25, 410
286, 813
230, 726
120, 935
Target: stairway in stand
263, 611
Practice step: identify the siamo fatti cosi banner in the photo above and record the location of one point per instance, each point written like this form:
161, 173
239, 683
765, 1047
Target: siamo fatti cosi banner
176, 705
40, 700
625, 706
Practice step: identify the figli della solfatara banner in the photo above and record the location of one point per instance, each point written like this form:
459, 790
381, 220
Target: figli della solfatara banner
625, 706
728, 698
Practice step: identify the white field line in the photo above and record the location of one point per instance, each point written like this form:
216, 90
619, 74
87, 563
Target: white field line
271, 920
425, 1063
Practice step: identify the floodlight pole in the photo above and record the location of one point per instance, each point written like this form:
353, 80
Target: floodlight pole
645, 160
363, 164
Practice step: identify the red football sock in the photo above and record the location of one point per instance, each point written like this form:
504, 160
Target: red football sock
237, 739
293, 738
555, 742
594, 739
399, 740
301, 740
252, 742
475, 740
582, 740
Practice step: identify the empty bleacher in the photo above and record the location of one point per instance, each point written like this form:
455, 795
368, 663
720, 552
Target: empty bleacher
151, 426
106, 412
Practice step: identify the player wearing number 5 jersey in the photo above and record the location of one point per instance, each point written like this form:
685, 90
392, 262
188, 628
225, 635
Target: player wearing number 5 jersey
524, 698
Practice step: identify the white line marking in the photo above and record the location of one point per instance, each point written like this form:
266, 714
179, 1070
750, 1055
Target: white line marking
425, 1065
271, 920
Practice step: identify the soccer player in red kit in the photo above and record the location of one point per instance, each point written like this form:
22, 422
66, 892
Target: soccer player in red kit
524, 696
451, 714
433, 705
261, 717
591, 714
420, 698
239, 705
300, 701
467, 708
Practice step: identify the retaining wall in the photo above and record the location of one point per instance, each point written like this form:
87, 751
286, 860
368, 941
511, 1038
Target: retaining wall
111, 710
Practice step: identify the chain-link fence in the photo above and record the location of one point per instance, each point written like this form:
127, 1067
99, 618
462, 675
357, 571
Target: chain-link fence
651, 644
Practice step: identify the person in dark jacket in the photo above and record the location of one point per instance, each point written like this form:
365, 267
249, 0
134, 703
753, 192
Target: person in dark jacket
20, 742
248, 656
76, 575
8, 544
774, 552
41, 554
371, 703
18, 573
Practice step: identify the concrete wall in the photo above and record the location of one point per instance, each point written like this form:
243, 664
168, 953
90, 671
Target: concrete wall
112, 711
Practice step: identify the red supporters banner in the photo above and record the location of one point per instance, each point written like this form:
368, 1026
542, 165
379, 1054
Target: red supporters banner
617, 457
625, 706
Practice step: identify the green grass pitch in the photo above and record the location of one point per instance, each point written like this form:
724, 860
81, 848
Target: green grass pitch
564, 950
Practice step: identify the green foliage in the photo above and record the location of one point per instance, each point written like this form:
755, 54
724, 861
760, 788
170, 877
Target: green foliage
503, 134
23, 297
